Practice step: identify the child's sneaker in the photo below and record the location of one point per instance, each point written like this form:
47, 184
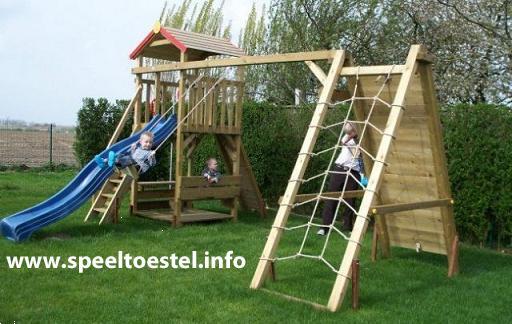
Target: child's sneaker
321, 231
99, 161
111, 158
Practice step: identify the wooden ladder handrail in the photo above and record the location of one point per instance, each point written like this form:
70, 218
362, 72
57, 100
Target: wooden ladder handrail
124, 118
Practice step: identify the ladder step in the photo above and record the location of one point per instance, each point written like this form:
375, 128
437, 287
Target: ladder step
107, 195
100, 210
115, 180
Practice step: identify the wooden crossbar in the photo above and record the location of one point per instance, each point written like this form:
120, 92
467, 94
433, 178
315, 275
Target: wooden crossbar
199, 181
296, 299
330, 194
372, 70
393, 208
239, 61
306, 57
164, 83
154, 183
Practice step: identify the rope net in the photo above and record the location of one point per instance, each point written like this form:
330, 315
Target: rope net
356, 150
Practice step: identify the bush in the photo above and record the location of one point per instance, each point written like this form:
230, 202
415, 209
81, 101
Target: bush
477, 138
96, 123
478, 143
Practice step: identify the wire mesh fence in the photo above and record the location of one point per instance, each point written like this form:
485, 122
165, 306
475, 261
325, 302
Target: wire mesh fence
36, 145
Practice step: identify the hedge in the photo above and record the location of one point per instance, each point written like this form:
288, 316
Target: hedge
477, 139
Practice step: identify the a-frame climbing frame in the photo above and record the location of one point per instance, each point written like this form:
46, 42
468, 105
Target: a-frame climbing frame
408, 189
408, 184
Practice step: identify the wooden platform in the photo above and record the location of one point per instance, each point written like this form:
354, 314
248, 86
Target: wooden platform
187, 216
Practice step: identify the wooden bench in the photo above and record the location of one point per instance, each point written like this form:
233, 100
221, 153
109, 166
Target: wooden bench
194, 188
197, 188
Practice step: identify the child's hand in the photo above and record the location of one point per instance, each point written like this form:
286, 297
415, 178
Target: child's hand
133, 146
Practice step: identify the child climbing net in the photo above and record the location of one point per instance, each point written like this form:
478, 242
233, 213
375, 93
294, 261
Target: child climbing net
339, 198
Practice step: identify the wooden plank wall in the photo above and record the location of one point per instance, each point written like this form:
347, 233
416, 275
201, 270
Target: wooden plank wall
409, 175
218, 113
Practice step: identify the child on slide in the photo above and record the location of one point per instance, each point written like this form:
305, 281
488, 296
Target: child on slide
210, 172
140, 155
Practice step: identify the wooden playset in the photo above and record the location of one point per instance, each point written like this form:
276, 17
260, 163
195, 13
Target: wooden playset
393, 106
206, 105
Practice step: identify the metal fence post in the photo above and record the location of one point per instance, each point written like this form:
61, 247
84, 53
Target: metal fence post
51, 145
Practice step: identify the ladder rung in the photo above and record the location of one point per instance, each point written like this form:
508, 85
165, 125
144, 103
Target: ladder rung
100, 210
115, 180
107, 195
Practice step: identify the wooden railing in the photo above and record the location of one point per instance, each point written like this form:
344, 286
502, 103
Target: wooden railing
124, 118
220, 112
197, 188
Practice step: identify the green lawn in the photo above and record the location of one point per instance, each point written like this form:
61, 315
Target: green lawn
409, 287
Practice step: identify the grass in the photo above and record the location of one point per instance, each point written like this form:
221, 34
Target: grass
409, 287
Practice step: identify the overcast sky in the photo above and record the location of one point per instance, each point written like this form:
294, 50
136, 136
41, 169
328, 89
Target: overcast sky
53, 53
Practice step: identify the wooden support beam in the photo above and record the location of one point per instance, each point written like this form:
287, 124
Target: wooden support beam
361, 223
296, 299
361, 108
208, 64
165, 83
394, 208
355, 284
137, 109
273, 273
179, 147
375, 240
239, 61
158, 93
330, 194
453, 263
147, 113
438, 154
372, 70
317, 71
154, 183
298, 171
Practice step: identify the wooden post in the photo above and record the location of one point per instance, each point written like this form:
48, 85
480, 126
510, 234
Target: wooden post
158, 94
240, 76
298, 171
147, 113
360, 107
137, 113
115, 214
272, 270
355, 284
137, 109
375, 239
453, 263
395, 115
439, 158
179, 146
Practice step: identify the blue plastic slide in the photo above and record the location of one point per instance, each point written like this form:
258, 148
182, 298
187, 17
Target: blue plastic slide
20, 226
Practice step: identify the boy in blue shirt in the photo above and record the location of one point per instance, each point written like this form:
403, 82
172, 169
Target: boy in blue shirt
140, 155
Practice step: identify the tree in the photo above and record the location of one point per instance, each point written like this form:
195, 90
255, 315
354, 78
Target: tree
97, 120
471, 40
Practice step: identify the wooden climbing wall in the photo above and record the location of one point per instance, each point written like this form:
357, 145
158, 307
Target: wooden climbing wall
409, 175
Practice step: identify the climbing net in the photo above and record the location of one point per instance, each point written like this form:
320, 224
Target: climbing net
356, 150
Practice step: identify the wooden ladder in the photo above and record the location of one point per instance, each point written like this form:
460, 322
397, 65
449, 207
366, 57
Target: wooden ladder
109, 196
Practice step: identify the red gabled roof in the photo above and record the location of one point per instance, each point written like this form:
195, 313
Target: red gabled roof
157, 30
195, 43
